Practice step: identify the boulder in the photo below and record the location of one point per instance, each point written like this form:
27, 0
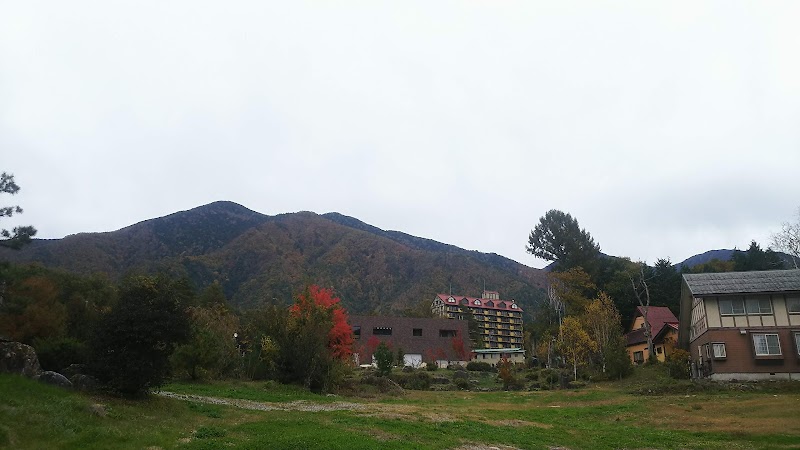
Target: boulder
54, 378
20, 359
81, 382
74, 369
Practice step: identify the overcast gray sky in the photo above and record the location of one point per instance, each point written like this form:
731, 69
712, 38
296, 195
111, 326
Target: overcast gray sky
666, 128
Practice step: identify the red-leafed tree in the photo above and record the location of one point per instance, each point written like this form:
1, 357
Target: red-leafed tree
460, 347
320, 338
317, 301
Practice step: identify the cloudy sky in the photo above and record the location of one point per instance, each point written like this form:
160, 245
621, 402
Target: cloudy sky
666, 128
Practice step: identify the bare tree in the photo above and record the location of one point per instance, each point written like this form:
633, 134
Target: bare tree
788, 239
642, 291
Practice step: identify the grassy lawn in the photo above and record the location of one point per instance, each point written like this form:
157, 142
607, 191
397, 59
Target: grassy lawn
36, 416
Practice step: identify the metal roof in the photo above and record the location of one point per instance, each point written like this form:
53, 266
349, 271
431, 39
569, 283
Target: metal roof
499, 350
726, 283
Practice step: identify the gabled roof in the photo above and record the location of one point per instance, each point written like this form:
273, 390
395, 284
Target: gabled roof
475, 302
727, 283
637, 336
660, 317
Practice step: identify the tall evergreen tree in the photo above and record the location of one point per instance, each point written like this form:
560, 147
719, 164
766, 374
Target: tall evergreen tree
558, 237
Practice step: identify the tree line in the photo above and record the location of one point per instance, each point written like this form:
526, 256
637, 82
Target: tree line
591, 295
134, 334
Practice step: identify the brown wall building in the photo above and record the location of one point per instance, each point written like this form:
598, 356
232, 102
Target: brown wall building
421, 340
742, 325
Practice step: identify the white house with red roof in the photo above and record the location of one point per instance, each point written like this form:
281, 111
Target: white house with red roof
663, 326
499, 321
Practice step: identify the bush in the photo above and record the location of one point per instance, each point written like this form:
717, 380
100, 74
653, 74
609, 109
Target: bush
479, 366
460, 375
57, 353
431, 366
462, 383
384, 358
419, 381
678, 364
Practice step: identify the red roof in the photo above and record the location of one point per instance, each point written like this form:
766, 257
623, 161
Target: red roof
659, 318
485, 303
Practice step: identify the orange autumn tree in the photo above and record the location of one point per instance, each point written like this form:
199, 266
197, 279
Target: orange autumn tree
319, 339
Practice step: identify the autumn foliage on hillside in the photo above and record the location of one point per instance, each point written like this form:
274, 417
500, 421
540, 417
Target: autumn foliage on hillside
316, 300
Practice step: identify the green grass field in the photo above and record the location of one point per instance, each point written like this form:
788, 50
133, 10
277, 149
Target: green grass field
36, 416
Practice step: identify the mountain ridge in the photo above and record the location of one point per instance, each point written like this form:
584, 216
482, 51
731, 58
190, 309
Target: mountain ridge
257, 257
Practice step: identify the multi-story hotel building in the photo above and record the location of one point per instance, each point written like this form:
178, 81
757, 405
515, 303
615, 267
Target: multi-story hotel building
499, 321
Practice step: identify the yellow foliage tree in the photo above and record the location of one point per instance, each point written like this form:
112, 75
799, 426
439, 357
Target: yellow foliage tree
575, 344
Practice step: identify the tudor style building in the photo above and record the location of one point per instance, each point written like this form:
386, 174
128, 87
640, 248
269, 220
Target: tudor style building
499, 321
742, 325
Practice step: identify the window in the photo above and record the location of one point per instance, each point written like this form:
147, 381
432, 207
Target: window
719, 350
766, 344
659, 350
448, 333
759, 306
382, 331
357, 332
638, 357
797, 343
417, 332
793, 305
730, 307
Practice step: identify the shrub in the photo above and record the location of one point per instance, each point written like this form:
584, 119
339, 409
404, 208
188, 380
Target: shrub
431, 366
57, 353
419, 381
462, 383
678, 364
384, 358
460, 375
479, 366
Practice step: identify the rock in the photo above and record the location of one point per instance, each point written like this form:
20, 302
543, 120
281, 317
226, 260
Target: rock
74, 369
20, 359
98, 410
54, 378
85, 383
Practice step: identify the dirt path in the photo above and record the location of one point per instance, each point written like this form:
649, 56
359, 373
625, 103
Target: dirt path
297, 405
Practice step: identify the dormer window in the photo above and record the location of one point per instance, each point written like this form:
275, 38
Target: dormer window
477, 303
490, 303
513, 306
451, 300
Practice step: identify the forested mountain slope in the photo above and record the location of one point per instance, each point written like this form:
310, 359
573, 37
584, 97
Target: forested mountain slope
259, 258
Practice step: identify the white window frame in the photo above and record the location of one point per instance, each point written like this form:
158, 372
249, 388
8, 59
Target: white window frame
718, 350
766, 344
